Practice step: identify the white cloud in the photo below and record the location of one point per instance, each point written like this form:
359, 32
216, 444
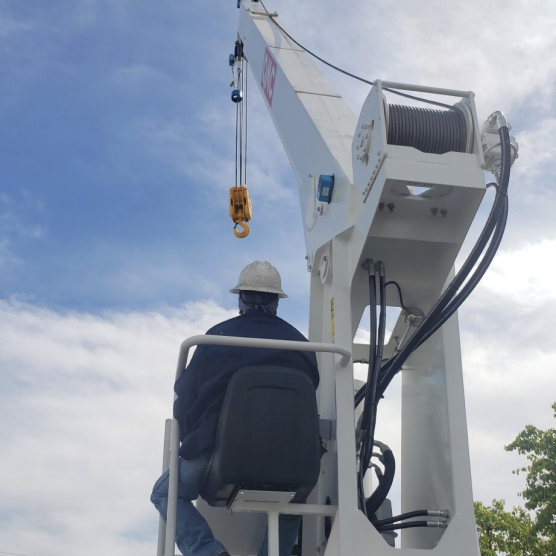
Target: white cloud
537, 151
83, 404
509, 368
501, 51
9, 26
524, 276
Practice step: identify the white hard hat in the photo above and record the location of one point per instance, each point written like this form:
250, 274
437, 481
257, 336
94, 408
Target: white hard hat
260, 277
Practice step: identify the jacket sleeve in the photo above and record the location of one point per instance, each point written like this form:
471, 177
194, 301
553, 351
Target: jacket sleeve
314, 369
186, 389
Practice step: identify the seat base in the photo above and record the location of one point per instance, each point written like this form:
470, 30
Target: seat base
262, 496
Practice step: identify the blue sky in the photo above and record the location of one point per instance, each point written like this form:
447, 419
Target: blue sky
116, 156
117, 153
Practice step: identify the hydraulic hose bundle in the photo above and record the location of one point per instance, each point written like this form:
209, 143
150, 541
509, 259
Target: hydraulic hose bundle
368, 418
380, 376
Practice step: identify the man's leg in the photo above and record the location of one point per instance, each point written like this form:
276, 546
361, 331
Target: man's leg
289, 529
193, 534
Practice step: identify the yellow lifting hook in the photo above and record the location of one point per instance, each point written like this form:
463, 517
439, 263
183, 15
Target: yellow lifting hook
240, 209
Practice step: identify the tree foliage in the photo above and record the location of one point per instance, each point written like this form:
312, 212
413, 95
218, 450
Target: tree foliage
519, 532
510, 533
540, 493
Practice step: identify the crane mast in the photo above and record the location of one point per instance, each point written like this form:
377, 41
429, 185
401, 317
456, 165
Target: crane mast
373, 215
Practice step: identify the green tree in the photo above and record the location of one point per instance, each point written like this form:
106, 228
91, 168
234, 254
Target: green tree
511, 533
540, 493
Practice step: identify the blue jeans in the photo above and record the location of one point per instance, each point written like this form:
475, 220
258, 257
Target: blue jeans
193, 534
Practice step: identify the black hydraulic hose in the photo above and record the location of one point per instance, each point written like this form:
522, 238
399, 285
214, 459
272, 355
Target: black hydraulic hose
382, 317
483, 266
376, 369
372, 381
399, 292
475, 278
408, 525
395, 364
402, 517
417, 339
361, 493
379, 495
372, 356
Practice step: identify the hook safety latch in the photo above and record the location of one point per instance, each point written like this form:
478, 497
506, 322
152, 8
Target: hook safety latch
244, 229
240, 209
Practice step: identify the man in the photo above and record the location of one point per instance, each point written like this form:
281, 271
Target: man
200, 393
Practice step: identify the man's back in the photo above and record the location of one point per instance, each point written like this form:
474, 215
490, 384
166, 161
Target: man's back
202, 387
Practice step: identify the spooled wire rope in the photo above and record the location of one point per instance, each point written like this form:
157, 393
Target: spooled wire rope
240, 80
246, 113
237, 126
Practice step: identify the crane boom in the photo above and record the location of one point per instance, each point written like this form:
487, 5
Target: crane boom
313, 121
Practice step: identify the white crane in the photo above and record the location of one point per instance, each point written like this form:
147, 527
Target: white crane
389, 195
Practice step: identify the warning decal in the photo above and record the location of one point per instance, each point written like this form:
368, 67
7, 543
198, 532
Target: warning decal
269, 76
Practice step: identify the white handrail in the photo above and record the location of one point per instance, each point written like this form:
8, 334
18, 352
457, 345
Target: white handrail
424, 89
345, 357
236, 341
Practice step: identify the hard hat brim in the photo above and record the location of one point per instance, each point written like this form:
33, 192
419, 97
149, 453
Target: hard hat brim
239, 288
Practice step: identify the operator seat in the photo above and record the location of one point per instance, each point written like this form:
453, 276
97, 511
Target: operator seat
267, 437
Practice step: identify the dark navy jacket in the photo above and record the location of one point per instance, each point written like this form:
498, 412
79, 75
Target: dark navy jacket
202, 386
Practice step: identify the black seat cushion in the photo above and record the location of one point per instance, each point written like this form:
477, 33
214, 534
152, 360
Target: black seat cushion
267, 436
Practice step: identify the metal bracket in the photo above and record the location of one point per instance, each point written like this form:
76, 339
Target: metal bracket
267, 14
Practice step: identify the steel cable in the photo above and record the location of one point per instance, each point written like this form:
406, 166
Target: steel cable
430, 131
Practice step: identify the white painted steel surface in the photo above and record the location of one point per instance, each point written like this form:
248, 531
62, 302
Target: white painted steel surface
425, 89
165, 465
235, 341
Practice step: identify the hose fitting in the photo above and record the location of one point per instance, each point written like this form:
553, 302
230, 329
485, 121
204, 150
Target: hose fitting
439, 513
441, 524
491, 144
497, 120
369, 266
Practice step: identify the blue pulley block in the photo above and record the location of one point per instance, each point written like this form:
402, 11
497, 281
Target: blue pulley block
232, 60
325, 188
237, 95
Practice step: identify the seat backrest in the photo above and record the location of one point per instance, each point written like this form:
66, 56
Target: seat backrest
267, 436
